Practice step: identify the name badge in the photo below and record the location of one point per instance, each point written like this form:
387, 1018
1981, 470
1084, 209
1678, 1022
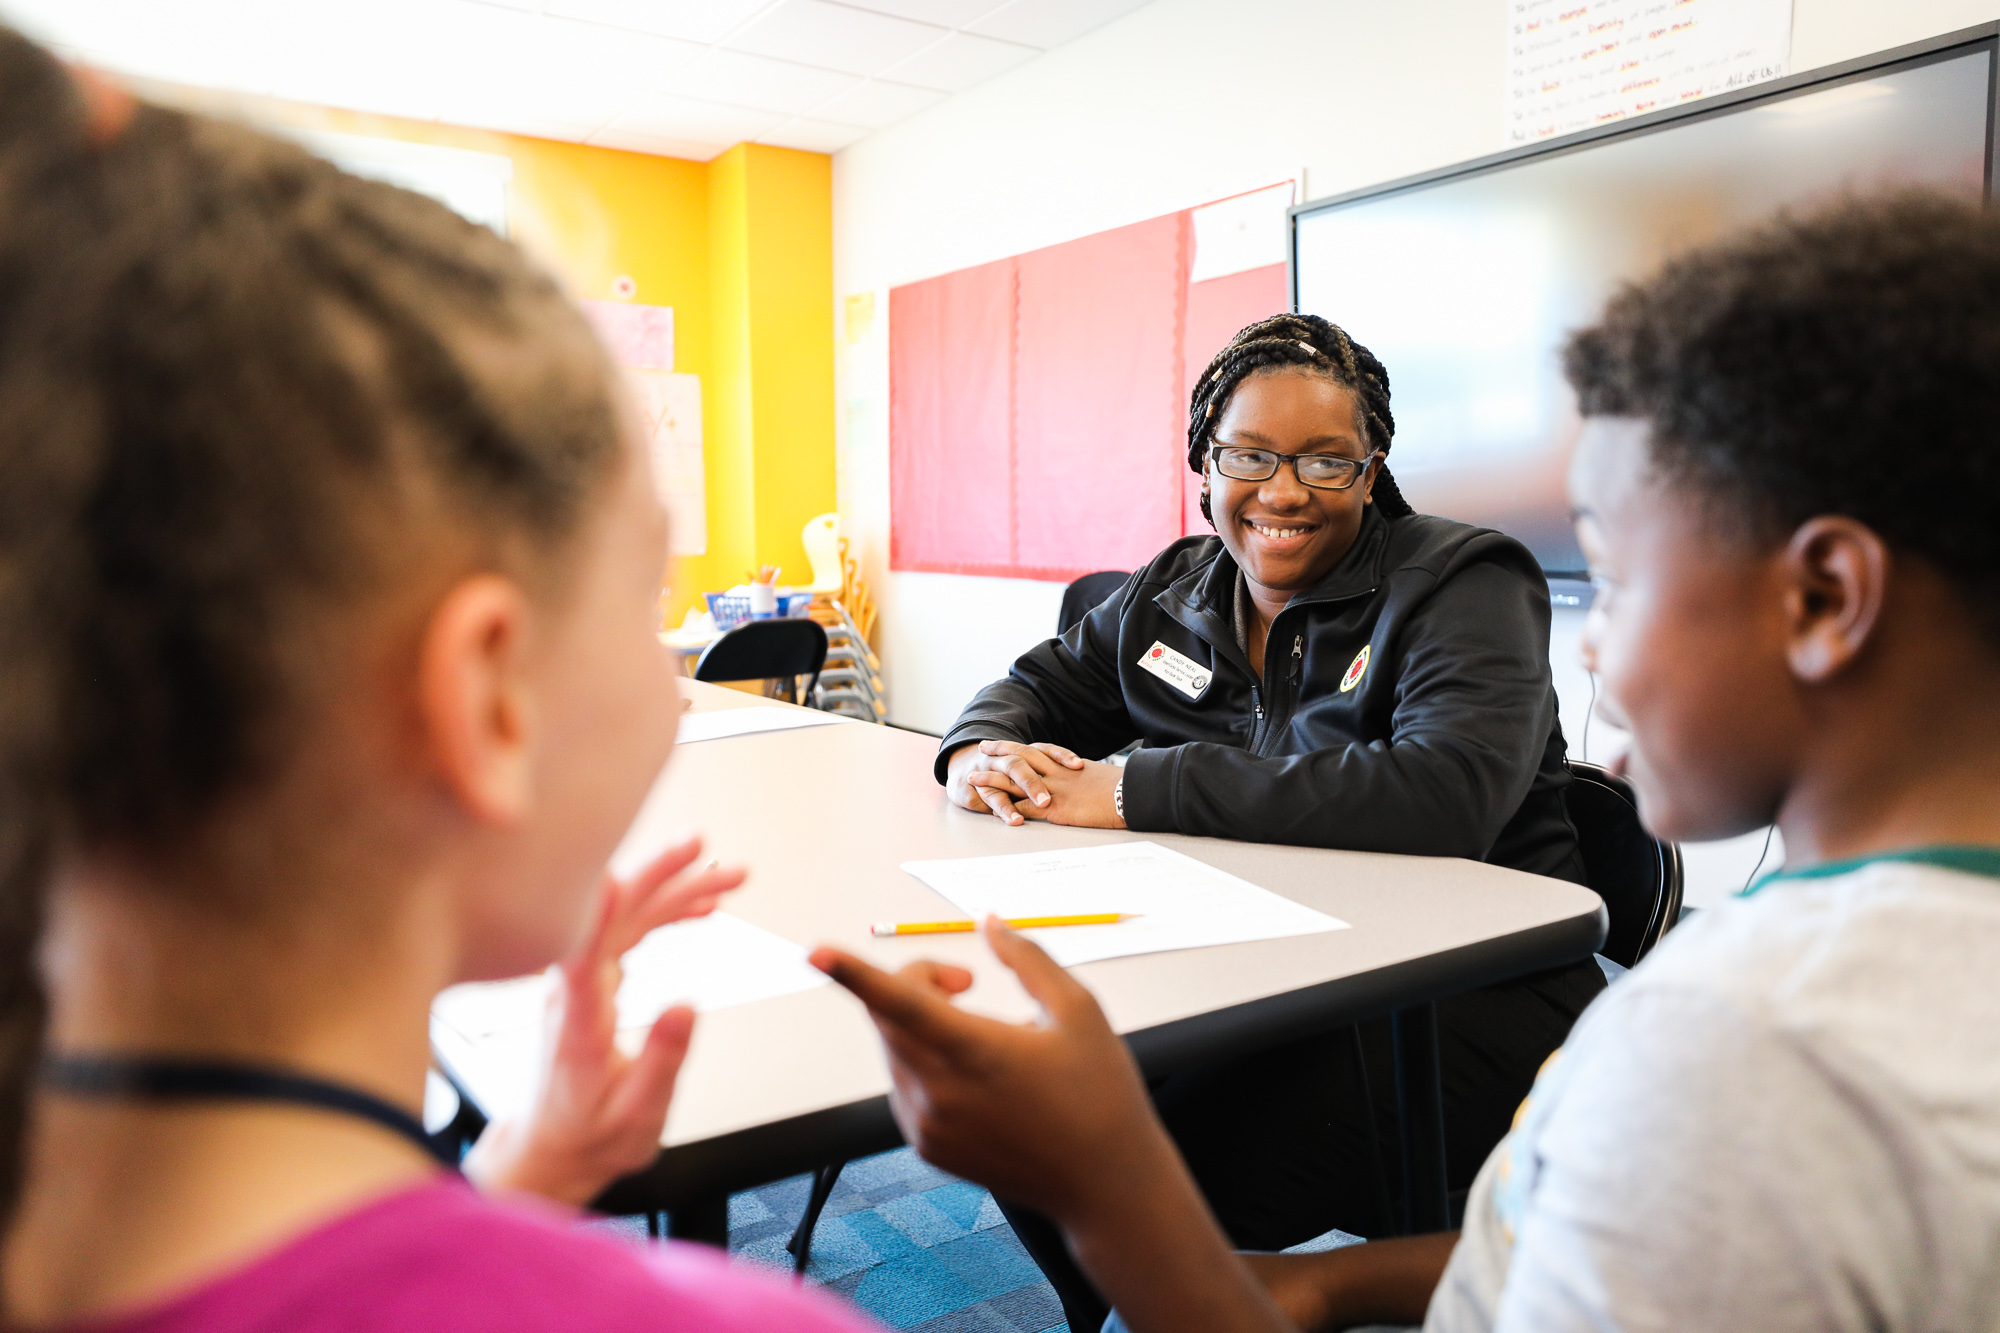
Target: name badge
1177, 669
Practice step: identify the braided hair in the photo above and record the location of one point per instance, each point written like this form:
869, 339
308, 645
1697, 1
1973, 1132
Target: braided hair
240, 392
1316, 346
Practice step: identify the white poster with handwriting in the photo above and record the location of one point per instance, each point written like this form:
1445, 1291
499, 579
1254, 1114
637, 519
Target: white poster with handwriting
1577, 64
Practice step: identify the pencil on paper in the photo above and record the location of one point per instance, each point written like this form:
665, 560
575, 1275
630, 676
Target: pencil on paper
1014, 923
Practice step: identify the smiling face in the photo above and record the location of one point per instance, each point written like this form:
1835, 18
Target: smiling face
1284, 535
1688, 637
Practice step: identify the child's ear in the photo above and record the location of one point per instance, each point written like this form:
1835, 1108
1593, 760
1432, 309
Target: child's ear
1837, 574
475, 699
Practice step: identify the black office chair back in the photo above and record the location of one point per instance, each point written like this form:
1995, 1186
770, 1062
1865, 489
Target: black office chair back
764, 650
1637, 875
1086, 595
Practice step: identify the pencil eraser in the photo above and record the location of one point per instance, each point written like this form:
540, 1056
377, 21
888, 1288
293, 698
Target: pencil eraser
882, 928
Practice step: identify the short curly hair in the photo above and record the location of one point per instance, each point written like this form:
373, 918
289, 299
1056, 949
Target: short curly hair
1839, 361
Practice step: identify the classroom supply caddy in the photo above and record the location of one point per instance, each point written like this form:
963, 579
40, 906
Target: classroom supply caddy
732, 609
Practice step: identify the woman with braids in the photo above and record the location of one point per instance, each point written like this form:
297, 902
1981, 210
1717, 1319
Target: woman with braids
1329, 669
328, 567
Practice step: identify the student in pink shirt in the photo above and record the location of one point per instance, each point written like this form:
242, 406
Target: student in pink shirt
328, 576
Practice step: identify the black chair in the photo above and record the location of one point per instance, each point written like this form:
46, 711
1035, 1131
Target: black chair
766, 650
1637, 874
1086, 595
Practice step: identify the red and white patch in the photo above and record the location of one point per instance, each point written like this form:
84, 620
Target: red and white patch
1355, 670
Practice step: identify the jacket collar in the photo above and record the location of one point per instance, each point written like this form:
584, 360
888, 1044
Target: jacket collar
1211, 588
1203, 598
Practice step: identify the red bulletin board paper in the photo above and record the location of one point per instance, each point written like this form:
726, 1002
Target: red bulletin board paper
951, 499
1098, 399
1216, 310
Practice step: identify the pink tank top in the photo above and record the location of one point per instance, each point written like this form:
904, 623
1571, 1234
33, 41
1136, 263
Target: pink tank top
444, 1259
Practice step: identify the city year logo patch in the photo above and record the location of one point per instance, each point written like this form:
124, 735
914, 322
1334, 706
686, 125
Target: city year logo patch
1355, 670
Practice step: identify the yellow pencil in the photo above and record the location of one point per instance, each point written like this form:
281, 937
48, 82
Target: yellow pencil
1017, 923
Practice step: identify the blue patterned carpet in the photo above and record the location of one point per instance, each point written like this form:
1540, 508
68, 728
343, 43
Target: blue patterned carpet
912, 1246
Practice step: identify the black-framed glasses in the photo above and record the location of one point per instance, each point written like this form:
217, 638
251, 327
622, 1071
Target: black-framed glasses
1325, 472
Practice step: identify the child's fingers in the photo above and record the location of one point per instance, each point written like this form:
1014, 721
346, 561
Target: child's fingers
1041, 976
648, 1085
676, 858
911, 1006
949, 978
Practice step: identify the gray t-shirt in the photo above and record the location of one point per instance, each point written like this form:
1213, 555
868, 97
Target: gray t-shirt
1788, 1117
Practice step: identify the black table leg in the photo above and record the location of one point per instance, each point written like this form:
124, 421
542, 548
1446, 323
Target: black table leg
1420, 1107
704, 1220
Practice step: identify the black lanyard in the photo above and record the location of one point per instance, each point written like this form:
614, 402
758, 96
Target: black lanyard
154, 1078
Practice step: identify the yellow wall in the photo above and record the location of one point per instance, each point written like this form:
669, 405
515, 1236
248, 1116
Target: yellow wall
741, 248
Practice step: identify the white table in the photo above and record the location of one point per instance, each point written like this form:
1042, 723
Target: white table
824, 816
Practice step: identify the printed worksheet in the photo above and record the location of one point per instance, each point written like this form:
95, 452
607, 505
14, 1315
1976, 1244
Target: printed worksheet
711, 962
1181, 903
717, 723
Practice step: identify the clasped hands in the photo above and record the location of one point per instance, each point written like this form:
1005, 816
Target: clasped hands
1042, 780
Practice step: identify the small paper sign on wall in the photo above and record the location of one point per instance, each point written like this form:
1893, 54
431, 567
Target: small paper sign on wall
670, 410
1576, 64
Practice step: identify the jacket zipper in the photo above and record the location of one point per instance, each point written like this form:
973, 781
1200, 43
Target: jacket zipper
1298, 657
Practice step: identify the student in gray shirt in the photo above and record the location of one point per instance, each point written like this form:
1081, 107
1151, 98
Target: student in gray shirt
1788, 1116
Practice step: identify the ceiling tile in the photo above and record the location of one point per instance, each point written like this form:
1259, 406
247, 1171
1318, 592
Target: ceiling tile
944, 13
697, 122
691, 20
959, 62
663, 145
771, 85
578, 106
1048, 23
573, 49
814, 136
879, 104
814, 32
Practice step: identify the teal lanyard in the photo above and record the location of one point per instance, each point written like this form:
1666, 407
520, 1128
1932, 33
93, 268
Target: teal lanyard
1966, 859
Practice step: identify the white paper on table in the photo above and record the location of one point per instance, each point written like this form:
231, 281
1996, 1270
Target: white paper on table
720, 722
711, 962
1182, 903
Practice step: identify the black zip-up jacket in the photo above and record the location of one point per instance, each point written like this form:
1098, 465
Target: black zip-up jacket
1447, 743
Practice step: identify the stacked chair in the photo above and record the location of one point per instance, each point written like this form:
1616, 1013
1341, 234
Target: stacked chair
851, 682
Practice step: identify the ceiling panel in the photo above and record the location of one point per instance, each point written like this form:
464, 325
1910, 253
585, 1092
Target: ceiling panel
702, 21
772, 85
814, 32
685, 77
664, 145
959, 62
815, 136
593, 53
1050, 23
944, 13
879, 104
704, 122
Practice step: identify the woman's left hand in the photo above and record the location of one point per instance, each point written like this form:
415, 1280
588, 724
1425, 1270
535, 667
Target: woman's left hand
598, 1112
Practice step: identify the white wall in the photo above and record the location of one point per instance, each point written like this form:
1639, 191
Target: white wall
1177, 103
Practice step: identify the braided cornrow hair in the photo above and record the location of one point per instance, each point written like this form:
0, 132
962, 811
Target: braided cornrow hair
1311, 344
240, 392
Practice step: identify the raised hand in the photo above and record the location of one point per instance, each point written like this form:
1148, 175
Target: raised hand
1054, 1114
598, 1112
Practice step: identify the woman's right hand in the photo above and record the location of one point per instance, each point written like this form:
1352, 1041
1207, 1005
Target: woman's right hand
993, 775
